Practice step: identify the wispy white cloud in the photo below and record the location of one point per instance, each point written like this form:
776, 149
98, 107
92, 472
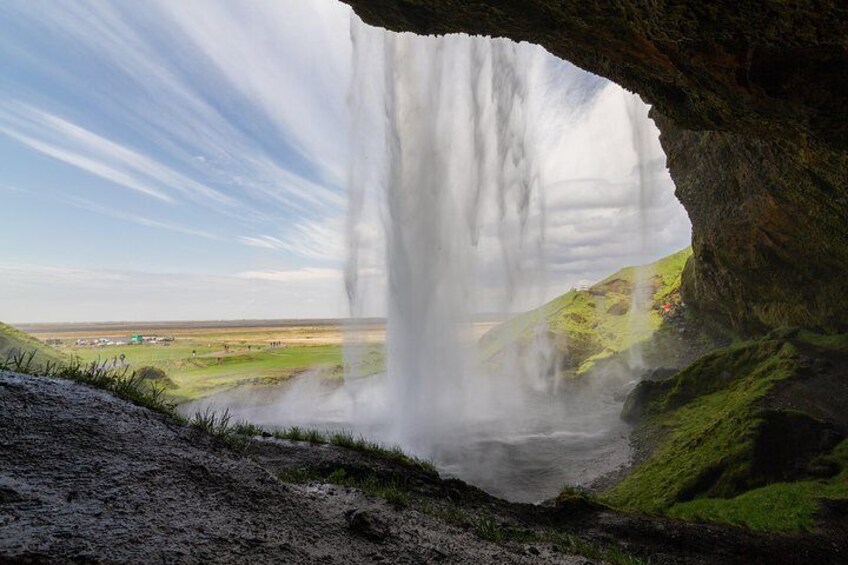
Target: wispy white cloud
220, 114
231, 119
93, 166
100, 156
319, 240
262, 242
140, 220
288, 58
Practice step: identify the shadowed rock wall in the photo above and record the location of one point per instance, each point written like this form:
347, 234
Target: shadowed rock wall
751, 99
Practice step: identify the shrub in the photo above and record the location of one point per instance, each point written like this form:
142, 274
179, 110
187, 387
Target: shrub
155, 375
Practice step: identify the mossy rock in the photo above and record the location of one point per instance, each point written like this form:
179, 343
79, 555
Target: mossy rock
740, 418
156, 377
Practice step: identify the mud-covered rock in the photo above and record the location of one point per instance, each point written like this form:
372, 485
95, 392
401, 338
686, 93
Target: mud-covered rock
368, 524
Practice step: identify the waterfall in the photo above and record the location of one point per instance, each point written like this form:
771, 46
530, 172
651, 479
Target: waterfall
445, 123
451, 142
640, 298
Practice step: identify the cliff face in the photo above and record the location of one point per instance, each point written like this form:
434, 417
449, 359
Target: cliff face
769, 227
751, 100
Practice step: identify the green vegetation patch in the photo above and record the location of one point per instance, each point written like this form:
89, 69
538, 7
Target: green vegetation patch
705, 421
780, 507
594, 324
14, 342
131, 387
196, 371
704, 427
360, 443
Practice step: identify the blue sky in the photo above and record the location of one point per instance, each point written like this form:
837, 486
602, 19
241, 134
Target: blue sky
187, 160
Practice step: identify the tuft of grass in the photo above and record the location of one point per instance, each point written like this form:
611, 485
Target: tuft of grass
487, 528
570, 543
210, 422
123, 384
392, 491
359, 443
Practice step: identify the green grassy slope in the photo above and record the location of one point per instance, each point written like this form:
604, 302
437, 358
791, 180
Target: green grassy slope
14, 341
724, 449
595, 324
213, 370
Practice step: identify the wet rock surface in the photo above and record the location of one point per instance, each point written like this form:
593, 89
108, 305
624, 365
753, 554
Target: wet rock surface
86, 477
368, 524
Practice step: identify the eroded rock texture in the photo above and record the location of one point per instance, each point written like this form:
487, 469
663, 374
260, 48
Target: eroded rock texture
752, 101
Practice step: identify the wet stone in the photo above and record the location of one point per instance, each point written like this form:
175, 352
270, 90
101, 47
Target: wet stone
367, 524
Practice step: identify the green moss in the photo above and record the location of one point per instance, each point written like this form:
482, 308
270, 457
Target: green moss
780, 507
705, 422
838, 342
703, 427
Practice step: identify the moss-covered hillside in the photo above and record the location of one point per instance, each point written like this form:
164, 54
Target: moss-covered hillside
753, 434
594, 324
14, 341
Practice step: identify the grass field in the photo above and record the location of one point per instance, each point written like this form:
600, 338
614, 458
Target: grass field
207, 358
199, 369
201, 360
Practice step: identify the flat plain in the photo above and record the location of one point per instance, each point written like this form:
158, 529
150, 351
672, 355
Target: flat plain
204, 358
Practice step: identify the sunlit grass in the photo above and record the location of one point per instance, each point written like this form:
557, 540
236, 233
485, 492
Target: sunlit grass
124, 384
780, 507
202, 370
